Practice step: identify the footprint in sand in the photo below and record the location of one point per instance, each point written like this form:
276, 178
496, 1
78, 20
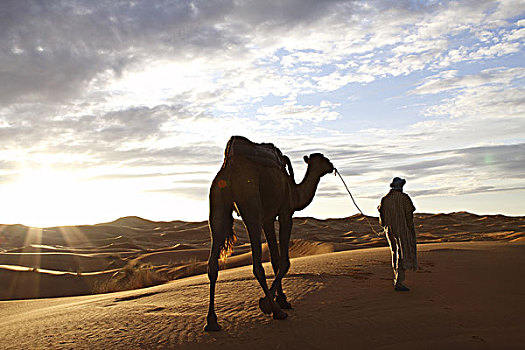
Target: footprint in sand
156, 309
478, 338
134, 297
425, 267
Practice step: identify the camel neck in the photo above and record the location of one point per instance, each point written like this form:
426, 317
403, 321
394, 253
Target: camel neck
305, 191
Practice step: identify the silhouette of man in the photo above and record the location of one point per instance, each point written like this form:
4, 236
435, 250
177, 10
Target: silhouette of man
396, 217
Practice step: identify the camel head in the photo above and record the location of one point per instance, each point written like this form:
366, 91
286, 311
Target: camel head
318, 163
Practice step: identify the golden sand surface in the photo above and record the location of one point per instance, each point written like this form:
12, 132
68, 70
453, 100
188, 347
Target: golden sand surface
466, 295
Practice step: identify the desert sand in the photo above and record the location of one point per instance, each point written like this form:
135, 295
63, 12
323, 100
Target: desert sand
468, 293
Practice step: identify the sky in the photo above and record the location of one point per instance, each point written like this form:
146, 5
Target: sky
115, 108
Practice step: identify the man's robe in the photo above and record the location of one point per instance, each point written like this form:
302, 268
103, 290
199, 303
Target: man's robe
396, 216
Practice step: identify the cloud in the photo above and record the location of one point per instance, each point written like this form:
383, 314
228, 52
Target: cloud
135, 90
123, 176
454, 191
482, 108
442, 173
501, 161
290, 114
197, 193
55, 52
449, 80
231, 53
9, 178
55, 59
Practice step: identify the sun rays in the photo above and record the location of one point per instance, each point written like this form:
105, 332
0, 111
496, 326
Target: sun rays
30, 258
35, 256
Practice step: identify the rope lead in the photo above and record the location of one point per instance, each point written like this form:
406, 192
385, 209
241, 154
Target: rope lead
352, 197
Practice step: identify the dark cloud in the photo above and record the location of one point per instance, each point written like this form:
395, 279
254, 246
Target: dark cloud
99, 140
502, 161
505, 160
456, 191
277, 15
196, 154
137, 123
349, 159
331, 191
492, 166
51, 50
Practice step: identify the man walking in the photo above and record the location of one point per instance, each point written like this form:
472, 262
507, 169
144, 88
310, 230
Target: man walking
396, 217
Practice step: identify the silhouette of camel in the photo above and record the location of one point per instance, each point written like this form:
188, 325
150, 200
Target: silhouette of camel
259, 194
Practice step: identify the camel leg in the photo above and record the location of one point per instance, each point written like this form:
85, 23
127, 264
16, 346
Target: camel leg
213, 273
221, 222
259, 273
252, 220
269, 231
285, 230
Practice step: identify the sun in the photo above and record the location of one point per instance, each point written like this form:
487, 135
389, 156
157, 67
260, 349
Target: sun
42, 183
47, 197
39, 196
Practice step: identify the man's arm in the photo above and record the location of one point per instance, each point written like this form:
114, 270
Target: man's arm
381, 210
382, 222
409, 215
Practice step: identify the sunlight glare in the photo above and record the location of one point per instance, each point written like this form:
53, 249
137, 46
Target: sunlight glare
46, 197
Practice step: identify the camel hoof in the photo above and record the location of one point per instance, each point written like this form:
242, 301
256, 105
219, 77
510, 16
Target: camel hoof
212, 327
280, 315
283, 303
265, 305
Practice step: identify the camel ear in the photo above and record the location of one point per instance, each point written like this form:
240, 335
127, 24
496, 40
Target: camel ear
305, 158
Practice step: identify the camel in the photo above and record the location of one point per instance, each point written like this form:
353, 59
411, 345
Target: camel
259, 194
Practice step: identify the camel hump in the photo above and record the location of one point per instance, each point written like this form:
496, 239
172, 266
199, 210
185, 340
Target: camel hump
265, 154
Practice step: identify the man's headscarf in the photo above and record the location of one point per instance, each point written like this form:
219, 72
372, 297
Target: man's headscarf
398, 183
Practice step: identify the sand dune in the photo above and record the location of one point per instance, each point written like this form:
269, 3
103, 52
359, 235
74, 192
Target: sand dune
466, 295
72, 262
82, 257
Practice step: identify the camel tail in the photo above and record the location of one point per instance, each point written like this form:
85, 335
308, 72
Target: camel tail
227, 248
221, 218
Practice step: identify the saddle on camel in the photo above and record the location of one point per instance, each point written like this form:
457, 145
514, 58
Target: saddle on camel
265, 154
